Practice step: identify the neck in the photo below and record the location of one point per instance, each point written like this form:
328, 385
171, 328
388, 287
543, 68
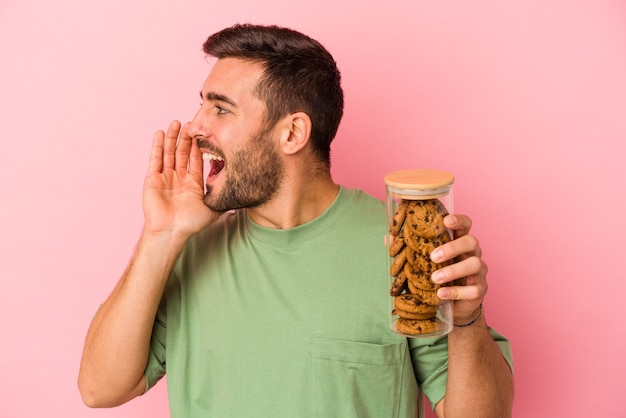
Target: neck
297, 202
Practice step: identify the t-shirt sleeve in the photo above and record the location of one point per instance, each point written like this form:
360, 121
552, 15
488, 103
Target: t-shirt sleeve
430, 362
155, 369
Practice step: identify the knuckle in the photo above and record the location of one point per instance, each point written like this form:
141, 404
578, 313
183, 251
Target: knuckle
472, 242
475, 264
476, 293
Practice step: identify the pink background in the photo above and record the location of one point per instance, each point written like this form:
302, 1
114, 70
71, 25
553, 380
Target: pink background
524, 101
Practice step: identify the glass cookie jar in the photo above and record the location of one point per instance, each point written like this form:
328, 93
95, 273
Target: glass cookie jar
417, 202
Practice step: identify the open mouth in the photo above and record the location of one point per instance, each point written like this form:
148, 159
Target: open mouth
213, 164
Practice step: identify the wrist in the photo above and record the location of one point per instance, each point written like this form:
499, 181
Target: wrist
165, 236
471, 320
164, 243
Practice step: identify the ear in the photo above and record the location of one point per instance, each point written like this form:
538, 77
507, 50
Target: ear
295, 132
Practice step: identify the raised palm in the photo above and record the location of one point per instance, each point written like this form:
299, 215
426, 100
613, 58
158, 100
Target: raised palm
173, 189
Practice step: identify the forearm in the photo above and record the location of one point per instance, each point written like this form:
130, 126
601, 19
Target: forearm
480, 382
117, 344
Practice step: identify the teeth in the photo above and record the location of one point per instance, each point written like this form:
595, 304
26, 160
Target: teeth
207, 156
211, 167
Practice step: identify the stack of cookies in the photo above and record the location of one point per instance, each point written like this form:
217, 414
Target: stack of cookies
417, 229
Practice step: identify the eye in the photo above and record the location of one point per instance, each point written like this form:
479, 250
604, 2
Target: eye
221, 110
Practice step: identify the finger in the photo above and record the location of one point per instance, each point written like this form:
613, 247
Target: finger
471, 266
459, 224
196, 165
460, 293
169, 145
464, 246
155, 164
471, 288
183, 150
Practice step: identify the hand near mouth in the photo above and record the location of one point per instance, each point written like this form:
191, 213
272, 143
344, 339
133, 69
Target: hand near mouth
174, 187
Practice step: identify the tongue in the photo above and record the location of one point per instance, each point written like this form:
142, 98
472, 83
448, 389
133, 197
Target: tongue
216, 167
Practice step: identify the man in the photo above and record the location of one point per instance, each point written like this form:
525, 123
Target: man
279, 308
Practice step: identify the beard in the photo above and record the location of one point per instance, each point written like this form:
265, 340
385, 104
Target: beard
253, 176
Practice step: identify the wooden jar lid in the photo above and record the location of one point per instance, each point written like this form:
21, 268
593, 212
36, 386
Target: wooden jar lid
419, 184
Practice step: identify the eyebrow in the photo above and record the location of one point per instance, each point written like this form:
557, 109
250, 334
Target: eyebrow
218, 97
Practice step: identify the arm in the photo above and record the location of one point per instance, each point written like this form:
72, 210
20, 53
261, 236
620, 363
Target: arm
480, 382
117, 344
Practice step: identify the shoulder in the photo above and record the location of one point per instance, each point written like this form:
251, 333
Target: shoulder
364, 203
218, 233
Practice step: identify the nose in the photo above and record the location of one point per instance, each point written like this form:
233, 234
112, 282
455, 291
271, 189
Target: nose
199, 125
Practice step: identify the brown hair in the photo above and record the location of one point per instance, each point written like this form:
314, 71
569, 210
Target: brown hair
299, 75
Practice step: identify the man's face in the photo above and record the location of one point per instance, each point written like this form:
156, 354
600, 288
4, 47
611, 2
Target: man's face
242, 165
